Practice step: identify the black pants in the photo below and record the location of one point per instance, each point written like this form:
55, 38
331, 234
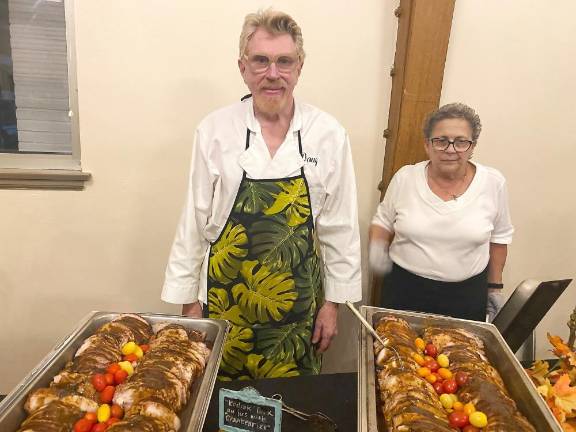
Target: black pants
406, 291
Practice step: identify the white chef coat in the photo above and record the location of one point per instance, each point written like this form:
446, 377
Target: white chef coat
444, 240
218, 159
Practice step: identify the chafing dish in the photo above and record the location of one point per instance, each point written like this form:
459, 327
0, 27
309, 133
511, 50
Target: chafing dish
192, 417
517, 382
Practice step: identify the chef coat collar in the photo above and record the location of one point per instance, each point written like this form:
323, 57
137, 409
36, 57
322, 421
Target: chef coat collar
254, 126
257, 162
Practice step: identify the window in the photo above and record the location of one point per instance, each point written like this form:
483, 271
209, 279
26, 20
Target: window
39, 138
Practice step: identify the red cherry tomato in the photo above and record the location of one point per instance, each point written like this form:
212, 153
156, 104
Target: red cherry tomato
98, 381
458, 419
113, 368
450, 386
120, 376
107, 394
130, 357
430, 350
109, 378
83, 425
438, 387
111, 421
116, 411
470, 428
99, 427
461, 378
91, 417
432, 365
145, 348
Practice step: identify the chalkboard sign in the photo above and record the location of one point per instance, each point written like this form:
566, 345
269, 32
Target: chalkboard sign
248, 411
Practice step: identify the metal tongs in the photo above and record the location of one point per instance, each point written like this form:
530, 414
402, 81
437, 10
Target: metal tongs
320, 421
376, 336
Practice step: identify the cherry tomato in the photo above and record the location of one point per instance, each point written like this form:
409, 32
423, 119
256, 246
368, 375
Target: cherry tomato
107, 394
99, 427
130, 357
83, 425
431, 378
458, 419
430, 350
445, 373
109, 378
116, 411
438, 377
113, 368
91, 416
470, 428
111, 421
432, 365
145, 348
120, 376
420, 344
423, 372
450, 386
418, 359
461, 378
98, 381
438, 387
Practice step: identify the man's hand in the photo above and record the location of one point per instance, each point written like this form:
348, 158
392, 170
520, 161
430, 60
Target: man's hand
192, 310
326, 326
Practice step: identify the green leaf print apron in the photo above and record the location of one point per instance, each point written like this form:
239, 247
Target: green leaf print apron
264, 277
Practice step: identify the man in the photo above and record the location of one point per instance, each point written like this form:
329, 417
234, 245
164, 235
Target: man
269, 236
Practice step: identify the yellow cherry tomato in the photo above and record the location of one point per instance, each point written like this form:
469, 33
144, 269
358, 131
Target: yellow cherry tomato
129, 348
423, 371
458, 406
420, 344
469, 408
478, 419
418, 359
431, 378
444, 373
103, 413
446, 401
454, 396
138, 352
127, 366
443, 360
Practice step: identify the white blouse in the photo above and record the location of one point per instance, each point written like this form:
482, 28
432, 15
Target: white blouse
444, 240
218, 160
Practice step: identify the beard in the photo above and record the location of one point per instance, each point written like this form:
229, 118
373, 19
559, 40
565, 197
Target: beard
270, 105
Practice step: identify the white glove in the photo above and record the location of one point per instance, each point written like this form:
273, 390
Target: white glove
380, 262
494, 304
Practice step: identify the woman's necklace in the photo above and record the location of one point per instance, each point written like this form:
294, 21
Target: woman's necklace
451, 192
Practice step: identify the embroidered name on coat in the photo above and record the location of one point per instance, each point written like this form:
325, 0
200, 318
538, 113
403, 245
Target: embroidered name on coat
310, 159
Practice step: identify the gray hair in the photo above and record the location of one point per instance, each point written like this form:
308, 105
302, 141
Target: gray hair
453, 111
274, 22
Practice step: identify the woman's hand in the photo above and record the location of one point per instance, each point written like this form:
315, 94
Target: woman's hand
380, 262
494, 304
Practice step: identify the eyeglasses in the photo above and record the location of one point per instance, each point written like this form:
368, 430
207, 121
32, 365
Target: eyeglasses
442, 143
260, 63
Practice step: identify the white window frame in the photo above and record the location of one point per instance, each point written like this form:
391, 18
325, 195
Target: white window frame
51, 171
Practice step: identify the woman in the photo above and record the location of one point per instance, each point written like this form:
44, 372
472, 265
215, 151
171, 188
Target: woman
443, 227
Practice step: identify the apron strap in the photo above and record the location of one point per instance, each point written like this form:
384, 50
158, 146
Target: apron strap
300, 150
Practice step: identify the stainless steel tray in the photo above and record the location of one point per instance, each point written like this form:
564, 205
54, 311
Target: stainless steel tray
12, 412
521, 389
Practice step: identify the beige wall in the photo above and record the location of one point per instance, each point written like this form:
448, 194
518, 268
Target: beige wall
514, 62
147, 74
